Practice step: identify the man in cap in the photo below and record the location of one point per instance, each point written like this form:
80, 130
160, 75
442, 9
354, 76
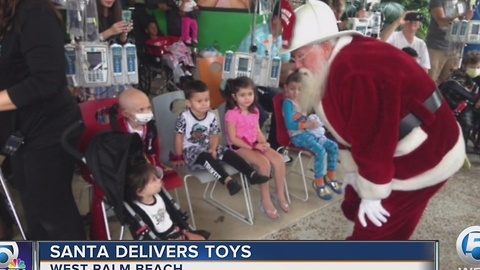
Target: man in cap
400, 139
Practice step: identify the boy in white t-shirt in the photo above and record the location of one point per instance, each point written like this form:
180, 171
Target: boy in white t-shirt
406, 38
189, 22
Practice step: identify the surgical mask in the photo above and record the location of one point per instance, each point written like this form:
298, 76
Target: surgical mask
473, 72
143, 118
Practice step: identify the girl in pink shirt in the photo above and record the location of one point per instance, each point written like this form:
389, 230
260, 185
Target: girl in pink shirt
245, 137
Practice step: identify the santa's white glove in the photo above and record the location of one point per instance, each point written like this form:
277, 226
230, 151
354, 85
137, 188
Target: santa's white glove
375, 212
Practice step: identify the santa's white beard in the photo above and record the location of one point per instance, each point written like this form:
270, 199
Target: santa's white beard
313, 86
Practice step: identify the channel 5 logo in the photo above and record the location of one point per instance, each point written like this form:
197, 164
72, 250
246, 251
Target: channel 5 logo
8, 253
468, 245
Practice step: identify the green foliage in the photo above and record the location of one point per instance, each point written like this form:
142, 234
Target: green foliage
419, 5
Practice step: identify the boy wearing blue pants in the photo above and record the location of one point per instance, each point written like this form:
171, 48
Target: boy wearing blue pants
309, 133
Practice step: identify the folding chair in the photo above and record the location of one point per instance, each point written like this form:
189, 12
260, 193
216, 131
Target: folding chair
222, 109
283, 139
166, 131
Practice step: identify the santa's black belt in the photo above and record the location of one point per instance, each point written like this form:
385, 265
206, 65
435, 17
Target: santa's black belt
411, 121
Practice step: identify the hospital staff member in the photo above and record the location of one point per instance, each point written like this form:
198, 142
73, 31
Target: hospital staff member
36, 104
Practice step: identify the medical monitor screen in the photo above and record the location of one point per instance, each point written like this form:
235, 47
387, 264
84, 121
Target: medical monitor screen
475, 29
94, 60
455, 29
361, 29
243, 64
463, 29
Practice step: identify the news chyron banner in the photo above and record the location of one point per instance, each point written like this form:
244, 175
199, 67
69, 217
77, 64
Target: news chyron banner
206, 255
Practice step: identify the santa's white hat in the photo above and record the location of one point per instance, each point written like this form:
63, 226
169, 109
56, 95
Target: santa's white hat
314, 22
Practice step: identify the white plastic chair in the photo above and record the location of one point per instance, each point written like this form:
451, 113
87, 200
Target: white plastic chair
166, 119
222, 109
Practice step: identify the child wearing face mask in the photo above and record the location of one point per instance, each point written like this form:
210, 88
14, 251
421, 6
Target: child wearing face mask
137, 116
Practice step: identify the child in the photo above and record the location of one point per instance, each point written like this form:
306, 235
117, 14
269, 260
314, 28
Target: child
297, 125
143, 187
189, 22
245, 137
196, 141
137, 117
464, 100
173, 52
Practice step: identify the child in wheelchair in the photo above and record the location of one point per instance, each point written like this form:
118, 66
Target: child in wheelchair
461, 91
144, 183
169, 51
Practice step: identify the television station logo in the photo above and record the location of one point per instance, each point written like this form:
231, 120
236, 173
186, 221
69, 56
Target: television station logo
468, 245
9, 256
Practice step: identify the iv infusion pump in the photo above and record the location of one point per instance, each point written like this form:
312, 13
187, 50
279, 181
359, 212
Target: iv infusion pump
92, 64
464, 32
263, 71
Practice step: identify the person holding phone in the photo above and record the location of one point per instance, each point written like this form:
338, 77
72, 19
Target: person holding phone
112, 25
411, 21
442, 59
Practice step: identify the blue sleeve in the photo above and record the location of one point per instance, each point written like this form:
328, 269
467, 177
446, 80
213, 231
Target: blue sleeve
288, 109
246, 42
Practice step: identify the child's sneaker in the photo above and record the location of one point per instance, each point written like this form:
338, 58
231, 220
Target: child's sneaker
333, 185
322, 191
233, 187
257, 178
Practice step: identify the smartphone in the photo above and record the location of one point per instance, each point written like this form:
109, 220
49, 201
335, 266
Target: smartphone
127, 16
414, 16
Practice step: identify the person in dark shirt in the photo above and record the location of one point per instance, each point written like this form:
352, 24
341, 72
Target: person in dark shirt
173, 15
35, 103
111, 25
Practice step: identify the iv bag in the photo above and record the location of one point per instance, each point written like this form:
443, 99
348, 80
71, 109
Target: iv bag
265, 7
75, 15
91, 22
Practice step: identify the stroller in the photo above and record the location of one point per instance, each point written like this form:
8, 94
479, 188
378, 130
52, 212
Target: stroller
461, 94
108, 156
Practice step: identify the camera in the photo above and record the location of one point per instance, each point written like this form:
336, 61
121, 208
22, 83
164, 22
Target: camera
12, 144
415, 16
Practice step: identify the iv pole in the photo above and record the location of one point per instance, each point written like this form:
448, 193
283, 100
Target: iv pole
253, 47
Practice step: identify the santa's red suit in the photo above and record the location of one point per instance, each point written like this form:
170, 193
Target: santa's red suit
371, 86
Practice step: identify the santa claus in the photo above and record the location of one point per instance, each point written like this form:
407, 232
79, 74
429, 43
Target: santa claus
400, 139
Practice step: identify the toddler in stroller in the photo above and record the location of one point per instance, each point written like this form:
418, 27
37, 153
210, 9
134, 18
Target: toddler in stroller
112, 157
144, 183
